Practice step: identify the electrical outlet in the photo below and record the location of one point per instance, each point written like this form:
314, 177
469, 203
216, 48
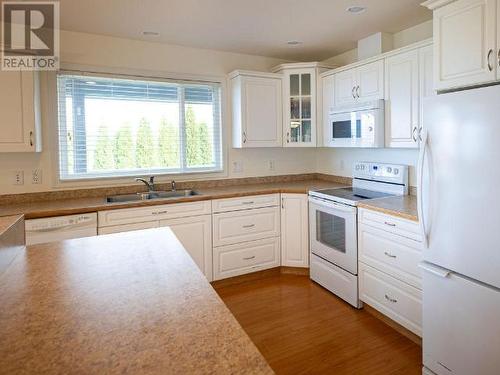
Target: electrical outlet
271, 165
36, 176
18, 178
237, 167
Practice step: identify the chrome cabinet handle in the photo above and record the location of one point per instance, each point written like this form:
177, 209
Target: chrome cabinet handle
282, 203
248, 202
390, 255
498, 57
287, 137
31, 139
389, 224
357, 91
244, 137
393, 300
160, 212
413, 136
490, 52
248, 258
420, 133
352, 92
248, 226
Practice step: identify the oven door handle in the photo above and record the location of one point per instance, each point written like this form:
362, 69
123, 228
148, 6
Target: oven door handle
332, 205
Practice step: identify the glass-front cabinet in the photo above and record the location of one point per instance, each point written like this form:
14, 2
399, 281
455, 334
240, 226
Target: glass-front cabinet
301, 103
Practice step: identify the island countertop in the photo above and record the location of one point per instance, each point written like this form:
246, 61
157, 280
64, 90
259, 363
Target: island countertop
127, 303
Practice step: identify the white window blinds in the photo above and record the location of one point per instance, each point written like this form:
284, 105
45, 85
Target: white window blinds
120, 127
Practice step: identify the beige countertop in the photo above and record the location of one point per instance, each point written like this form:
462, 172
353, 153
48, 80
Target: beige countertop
402, 206
83, 205
125, 303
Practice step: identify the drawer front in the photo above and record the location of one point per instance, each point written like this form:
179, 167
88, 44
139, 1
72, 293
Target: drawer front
153, 213
396, 255
234, 260
392, 224
127, 227
399, 301
249, 225
245, 203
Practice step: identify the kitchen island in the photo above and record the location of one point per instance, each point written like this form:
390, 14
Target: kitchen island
131, 302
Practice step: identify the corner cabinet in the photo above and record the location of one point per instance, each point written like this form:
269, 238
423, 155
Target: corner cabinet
302, 109
256, 101
20, 118
294, 230
466, 45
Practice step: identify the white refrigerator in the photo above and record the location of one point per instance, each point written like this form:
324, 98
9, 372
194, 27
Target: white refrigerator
459, 209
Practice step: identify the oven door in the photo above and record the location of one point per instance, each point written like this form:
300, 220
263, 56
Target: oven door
333, 233
354, 128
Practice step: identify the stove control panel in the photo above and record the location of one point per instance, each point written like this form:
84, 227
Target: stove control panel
393, 173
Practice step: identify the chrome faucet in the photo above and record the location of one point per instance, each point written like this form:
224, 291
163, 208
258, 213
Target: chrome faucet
150, 184
173, 185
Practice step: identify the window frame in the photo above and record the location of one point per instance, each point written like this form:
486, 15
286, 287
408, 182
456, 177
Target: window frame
220, 144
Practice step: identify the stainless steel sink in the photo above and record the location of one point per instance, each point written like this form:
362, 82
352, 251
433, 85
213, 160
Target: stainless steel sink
151, 195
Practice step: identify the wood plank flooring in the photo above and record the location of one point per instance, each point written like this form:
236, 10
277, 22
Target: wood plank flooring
301, 328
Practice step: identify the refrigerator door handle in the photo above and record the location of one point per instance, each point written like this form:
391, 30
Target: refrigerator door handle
420, 178
435, 270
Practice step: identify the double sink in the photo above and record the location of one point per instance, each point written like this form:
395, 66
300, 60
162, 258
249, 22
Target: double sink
151, 195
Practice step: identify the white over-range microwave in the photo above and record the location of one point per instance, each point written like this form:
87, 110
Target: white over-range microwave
357, 125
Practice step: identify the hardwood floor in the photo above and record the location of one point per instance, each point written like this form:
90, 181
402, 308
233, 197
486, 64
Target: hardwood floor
301, 328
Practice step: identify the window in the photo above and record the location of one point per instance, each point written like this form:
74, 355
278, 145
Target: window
112, 127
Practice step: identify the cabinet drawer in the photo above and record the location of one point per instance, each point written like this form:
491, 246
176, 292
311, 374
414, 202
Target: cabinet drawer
234, 260
396, 255
248, 225
153, 213
127, 227
399, 301
389, 223
245, 203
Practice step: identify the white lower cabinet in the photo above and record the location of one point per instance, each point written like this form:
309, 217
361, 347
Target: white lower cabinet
389, 277
246, 257
294, 230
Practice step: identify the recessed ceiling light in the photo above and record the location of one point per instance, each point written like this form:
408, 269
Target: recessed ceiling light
356, 9
293, 42
150, 33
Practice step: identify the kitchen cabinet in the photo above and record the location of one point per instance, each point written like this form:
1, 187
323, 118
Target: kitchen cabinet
191, 223
246, 235
294, 230
256, 105
302, 103
390, 280
402, 105
362, 83
465, 42
20, 112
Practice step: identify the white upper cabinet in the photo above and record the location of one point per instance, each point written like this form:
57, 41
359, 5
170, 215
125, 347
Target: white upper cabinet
465, 46
20, 121
328, 86
363, 83
256, 109
402, 100
302, 103
426, 72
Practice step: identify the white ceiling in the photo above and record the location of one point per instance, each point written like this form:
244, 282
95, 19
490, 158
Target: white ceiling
259, 27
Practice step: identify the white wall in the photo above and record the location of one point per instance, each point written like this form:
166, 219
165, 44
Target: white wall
340, 161
137, 57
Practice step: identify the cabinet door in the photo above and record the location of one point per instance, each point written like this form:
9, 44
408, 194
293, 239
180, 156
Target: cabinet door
262, 112
345, 83
464, 43
294, 230
426, 78
370, 81
19, 112
300, 108
328, 103
195, 234
402, 100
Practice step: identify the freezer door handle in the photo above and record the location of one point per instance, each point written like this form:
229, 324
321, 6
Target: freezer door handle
435, 270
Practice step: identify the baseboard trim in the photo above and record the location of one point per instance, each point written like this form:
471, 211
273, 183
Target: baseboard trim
259, 275
391, 323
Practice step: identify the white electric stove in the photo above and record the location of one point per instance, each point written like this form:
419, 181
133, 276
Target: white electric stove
333, 225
